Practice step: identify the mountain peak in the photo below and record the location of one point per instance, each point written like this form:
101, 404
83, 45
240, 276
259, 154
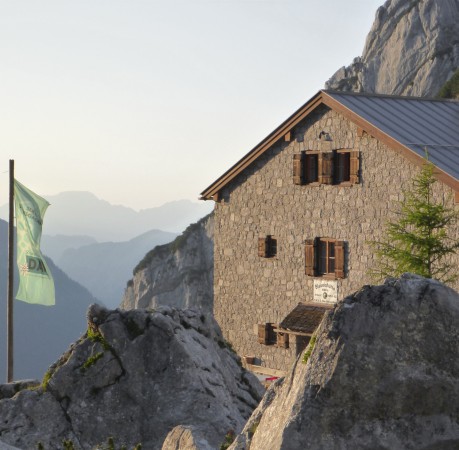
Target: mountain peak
411, 49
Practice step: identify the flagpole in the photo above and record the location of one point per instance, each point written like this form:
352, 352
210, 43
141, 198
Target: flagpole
9, 308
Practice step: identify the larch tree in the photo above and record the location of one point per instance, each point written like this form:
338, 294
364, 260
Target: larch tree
419, 241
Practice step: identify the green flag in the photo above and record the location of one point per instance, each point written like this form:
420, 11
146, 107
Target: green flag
36, 283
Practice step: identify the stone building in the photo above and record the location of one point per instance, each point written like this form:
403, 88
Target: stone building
294, 217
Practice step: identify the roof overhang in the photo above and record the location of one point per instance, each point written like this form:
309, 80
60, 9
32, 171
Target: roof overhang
321, 98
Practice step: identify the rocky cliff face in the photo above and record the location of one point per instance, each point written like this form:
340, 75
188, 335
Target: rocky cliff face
383, 374
412, 49
135, 376
179, 274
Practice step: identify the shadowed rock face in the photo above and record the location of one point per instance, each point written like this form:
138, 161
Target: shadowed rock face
384, 374
138, 375
412, 49
178, 274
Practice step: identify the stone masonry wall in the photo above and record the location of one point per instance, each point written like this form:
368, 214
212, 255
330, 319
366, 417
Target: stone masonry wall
263, 200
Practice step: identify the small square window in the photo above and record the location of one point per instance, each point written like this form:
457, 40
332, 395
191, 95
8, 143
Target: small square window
267, 247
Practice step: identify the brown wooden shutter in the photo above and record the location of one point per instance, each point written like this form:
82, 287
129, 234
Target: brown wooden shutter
298, 168
310, 259
263, 333
355, 167
326, 168
339, 259
262, 247
282, 340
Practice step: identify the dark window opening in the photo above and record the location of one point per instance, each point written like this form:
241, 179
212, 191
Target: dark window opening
266, 334
267, 247
342, 167
312, 168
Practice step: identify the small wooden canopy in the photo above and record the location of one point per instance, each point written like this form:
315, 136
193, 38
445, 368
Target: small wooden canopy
304, 318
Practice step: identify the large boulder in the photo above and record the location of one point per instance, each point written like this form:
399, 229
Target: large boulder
135, 376
383, 374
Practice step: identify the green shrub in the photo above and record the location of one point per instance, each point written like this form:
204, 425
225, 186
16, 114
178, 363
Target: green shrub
451, 88
229, 439
309, 350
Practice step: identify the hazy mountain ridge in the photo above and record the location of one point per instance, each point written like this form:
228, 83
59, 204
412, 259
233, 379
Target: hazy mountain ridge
55, 246
83, 214
104, 268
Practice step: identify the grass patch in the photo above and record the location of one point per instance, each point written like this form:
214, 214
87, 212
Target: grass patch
92, 360
96, 336
229, 439
44, 383
253, 428
309, 350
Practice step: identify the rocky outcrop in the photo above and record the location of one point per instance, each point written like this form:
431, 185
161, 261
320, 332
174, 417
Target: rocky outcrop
412, 49
179, 274
135, 376
383, 374
185, 438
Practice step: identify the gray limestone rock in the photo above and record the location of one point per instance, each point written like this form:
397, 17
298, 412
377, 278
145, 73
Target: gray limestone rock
383, 374
135, 376
412, 49
179, 274
185, 438
9, 390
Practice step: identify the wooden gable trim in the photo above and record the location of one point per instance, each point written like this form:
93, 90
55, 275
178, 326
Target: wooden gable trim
321, 98
263, 146
392, 143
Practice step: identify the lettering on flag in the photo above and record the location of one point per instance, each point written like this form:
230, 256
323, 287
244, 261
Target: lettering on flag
36, 284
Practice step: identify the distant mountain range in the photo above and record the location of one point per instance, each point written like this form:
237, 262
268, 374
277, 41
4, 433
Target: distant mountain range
104, 268
41, 333
83, 214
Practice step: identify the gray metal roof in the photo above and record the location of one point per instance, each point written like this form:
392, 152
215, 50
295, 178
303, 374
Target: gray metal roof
417, 123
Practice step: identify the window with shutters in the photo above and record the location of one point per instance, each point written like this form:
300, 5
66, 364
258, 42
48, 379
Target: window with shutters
337, 167
306, 167
266, 334
267, 247
324, 257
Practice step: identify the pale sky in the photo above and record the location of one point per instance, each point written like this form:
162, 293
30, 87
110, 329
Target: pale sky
145, 102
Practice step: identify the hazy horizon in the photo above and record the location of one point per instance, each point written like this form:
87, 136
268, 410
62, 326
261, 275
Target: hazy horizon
143, 103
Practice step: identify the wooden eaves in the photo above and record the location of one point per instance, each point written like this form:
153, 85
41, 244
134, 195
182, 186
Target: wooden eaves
321, 98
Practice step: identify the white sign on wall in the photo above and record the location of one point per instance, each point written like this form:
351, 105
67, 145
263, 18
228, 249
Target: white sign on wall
325, 291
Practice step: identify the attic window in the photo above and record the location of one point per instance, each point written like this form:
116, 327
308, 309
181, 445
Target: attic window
267, 247
324, 257
337, 167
